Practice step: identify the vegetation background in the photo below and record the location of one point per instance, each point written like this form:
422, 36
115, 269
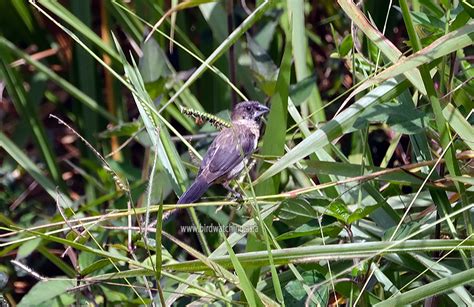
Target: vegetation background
361, 192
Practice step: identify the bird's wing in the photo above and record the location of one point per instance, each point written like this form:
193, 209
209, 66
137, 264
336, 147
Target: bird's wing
227, 150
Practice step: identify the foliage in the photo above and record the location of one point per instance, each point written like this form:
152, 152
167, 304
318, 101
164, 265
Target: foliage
361, 193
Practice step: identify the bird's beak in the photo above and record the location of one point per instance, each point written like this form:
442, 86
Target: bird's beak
262, 110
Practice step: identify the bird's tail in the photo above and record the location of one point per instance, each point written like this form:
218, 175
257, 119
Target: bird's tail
195, 191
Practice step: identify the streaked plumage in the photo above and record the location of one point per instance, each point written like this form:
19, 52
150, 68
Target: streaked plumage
226, 157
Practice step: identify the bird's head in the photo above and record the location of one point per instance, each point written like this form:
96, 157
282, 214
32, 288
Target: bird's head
249, 110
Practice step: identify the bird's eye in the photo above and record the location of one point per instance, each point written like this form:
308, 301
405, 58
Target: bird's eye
249, 108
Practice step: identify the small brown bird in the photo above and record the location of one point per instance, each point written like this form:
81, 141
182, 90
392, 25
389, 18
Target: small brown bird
228, 153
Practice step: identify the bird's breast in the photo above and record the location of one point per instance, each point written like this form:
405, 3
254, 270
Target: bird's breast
248, 132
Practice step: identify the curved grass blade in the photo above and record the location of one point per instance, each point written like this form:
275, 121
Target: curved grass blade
303, 64
167, 154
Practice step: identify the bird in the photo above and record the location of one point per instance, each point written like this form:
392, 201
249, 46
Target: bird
229, 151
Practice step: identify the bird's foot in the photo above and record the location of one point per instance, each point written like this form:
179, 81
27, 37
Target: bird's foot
237, 197
233, 194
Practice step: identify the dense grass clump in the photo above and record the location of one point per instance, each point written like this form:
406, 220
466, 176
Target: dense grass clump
360, 194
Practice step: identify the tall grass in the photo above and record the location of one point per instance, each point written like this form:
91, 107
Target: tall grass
360, 194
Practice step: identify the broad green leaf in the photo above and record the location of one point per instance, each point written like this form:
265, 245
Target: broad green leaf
27, 248
275, 131
297, 211
124, 129
267, 33
301, 91
337, 210
295, 294
114, 295
428, 21
215, 15
46, 291
346, 46
313, 230
152, 64
361, 213
263, 68
97, 265
396, 116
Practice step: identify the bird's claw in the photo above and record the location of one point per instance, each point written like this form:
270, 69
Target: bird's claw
237, 197
233, 194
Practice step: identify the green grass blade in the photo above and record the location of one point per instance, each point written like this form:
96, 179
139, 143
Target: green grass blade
159, 136
440, 270
221, 250
275, 130
247, 287
325, 252
444, 45
221, 272
463, 38
66, 85
303, 66
85, 74
459, 124
431, 289
25, 162
56, 8
376, 37
24, 106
